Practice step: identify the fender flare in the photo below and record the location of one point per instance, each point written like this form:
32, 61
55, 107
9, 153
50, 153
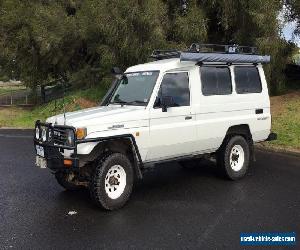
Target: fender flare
137, 164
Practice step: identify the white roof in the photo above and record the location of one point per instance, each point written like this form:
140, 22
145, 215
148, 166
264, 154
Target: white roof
161, 65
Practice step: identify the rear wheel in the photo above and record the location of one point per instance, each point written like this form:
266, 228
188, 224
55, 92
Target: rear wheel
234, 157
67, 181
112, 181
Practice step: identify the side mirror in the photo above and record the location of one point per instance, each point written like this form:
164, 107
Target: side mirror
117, 72
166, 102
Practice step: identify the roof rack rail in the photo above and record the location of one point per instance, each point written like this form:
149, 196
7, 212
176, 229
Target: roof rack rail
165, 54
222, 49
205, 48
201, 53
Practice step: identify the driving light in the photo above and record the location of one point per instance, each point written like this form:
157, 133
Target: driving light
70, 137
81, 133
49, 135
37, 133
44, 134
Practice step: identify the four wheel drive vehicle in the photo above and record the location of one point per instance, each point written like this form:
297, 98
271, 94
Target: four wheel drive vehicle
184, 105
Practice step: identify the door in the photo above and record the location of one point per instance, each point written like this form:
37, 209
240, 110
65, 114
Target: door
215, 114
172, 133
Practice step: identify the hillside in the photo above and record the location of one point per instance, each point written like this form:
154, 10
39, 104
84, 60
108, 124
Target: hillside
285, 115
286, 121
25, 118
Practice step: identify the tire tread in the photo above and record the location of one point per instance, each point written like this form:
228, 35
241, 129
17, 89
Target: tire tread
97, 194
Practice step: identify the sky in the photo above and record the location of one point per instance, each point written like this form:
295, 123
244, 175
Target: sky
288, 32
288, 28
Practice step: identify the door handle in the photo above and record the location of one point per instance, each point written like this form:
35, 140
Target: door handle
188, 118
259, 111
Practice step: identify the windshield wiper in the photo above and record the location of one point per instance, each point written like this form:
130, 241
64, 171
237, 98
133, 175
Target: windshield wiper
136, 102
118, 102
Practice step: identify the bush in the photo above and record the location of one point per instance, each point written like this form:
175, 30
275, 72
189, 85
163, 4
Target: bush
4, 78
92, 36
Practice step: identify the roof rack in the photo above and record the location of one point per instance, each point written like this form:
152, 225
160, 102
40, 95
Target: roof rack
165, 54
220, 48
214, 53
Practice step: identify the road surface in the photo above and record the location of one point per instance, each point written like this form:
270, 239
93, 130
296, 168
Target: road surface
171, 208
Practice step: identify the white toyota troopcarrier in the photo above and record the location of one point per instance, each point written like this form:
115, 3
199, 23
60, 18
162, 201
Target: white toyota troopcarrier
184, 105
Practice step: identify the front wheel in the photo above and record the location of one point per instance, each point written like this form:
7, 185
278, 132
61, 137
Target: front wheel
234, 157
112, 181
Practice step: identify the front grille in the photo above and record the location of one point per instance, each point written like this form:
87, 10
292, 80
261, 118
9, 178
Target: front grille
60, 136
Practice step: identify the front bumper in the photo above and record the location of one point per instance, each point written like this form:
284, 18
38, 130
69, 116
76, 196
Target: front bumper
55, 159
55, 149
53, 152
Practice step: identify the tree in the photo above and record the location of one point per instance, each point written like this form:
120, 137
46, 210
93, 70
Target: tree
294, 12
67, 39
252, 23
79, 41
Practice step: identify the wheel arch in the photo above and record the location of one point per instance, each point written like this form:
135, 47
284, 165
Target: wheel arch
242, 130
124, 144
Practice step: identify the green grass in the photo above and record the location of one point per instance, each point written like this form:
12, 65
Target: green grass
9, 89
286, 122
287, 125
25, 118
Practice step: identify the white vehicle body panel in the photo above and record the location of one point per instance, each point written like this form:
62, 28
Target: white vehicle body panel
109, 121
216, 114
168, 134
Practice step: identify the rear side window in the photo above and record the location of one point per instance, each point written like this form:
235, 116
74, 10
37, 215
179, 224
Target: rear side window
216, 81
247, 80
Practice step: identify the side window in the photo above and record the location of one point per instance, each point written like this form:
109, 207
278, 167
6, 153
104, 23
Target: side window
215, 80
175, 85
247, 80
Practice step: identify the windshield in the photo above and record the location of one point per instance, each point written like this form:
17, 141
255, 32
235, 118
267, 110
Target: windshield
135, 89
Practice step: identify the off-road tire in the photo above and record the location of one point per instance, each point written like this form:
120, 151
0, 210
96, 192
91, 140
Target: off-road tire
62, 179
97, 184
225, 156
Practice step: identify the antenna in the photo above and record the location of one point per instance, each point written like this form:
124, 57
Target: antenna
64, 108
55, 109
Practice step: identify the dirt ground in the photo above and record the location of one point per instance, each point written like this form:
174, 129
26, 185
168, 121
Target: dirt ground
278, 102
285, 120
84, 103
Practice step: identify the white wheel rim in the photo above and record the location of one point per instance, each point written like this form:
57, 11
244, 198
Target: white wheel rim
115, 182
237, 158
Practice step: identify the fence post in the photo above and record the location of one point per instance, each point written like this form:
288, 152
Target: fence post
43, 93
11, 98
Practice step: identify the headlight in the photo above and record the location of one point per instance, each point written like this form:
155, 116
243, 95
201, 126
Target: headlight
37, 133
70, 137
44, 134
